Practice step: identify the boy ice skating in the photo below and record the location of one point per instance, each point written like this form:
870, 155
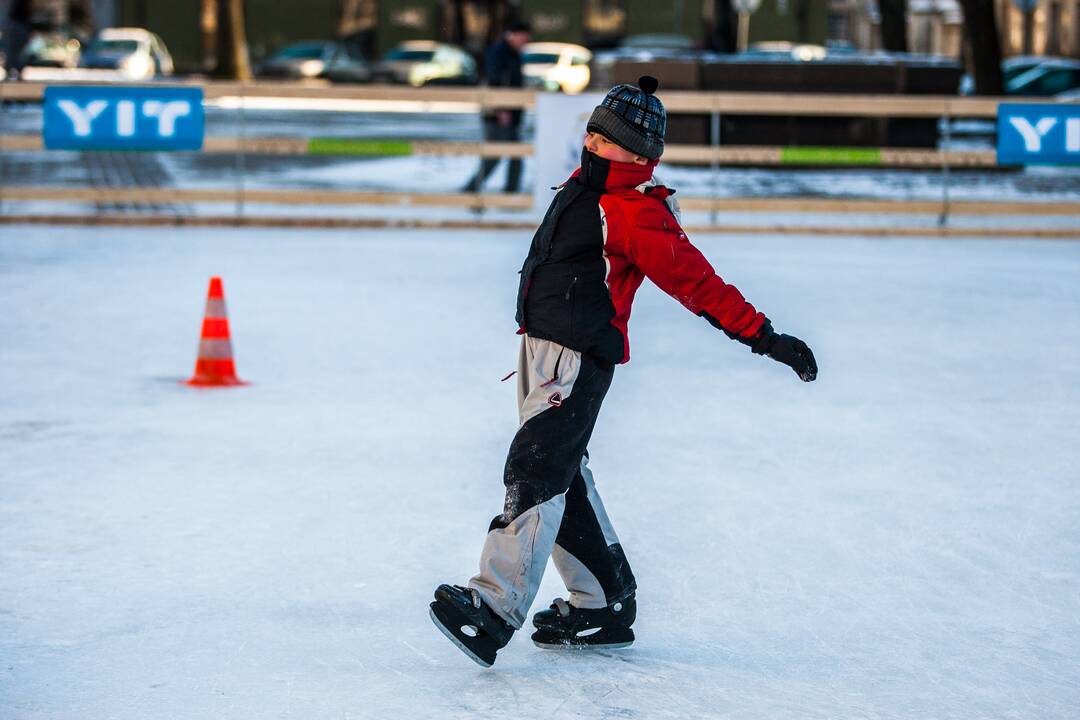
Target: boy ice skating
609, 227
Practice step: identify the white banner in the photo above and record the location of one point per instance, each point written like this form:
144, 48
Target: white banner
560, 132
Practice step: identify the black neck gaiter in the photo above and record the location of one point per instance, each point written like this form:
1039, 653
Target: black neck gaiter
594, 171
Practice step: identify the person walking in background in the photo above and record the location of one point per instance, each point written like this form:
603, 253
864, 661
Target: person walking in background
16, 36
502, 68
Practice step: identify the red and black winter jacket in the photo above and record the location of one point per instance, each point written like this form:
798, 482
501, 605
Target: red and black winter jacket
606, 230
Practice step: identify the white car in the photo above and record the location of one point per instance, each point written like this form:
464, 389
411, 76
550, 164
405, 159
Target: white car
135, 53
299, 60
556, 66
426, 62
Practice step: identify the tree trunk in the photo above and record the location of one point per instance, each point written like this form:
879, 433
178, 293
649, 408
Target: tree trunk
208, 27
452, 25
498, 13
141, 13
893, 25
347, 12
356, 23
802, 20
724, 33
232, 49
981, 37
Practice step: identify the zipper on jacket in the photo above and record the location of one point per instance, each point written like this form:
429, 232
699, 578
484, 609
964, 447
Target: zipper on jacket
540, 255
570, 299
552, 220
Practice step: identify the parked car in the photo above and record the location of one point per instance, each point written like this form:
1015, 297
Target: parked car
656, 41
136, 53
556, 66
426, 62
657, 46
1052, 77
348, 65
785, 50
1013, 66
1052, 81
300, 60
54, 48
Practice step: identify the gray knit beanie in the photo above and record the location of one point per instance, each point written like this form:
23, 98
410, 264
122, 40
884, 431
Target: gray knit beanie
633, 118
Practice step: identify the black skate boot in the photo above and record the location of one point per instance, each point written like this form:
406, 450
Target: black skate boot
469, 623
565, 626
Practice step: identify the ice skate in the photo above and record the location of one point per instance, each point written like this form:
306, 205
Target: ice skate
469, 623
563, 626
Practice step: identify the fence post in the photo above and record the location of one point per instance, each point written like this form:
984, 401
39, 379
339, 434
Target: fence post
241, 158
943, 219
715, 163
3, 132
479, 208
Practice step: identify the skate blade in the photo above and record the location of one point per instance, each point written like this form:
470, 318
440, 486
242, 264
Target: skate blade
460, 646
582, 646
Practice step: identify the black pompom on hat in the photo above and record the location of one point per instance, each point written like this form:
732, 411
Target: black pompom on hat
633, 117
648, 84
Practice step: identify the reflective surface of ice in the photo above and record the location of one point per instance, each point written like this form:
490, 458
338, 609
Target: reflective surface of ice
900, 539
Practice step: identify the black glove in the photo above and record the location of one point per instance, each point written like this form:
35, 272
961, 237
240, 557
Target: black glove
787, 349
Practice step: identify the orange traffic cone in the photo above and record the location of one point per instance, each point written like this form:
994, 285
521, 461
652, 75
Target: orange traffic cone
214, 367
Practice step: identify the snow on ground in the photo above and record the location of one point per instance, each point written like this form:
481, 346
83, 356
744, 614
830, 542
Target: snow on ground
900, 539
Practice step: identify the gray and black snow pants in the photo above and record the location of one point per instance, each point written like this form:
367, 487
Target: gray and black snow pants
552, 507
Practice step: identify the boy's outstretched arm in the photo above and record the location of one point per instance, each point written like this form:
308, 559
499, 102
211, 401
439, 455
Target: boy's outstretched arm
667, 257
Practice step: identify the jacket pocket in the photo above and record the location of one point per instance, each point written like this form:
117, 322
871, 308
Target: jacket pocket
569, 297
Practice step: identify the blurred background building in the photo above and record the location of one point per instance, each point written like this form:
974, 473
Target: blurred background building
379, 26
936, 26
373, 27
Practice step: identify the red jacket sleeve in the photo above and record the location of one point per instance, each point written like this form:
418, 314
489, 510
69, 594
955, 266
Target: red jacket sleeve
660, 248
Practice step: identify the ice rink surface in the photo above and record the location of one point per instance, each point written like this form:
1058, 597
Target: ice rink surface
900, 539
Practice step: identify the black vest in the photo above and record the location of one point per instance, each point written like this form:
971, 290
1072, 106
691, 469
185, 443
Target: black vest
563, 294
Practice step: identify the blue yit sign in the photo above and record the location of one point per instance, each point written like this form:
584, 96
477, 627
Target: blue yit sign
1038, 134
123, 118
